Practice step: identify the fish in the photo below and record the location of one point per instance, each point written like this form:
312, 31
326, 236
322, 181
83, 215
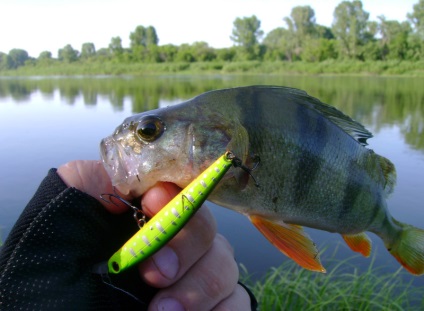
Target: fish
311, 162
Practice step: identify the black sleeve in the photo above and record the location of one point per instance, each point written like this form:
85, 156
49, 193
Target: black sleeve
46, 262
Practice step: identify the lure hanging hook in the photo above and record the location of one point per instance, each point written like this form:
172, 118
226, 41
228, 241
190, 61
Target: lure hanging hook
237, 162
138, 215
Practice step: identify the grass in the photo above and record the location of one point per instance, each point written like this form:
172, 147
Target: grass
290, 287
328, 67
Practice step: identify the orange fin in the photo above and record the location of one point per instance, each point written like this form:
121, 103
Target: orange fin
292, 241
359, 243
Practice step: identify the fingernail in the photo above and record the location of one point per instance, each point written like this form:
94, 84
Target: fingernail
167, 262
170, 304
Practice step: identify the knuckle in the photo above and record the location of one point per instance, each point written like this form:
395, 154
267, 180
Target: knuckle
214, 286
205, 225
219, 285
221, 239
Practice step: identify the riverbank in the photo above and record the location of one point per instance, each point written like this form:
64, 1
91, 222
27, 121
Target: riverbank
330, 67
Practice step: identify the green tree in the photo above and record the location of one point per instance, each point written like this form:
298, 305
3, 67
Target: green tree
45, 58
318, 50
203, 52
301, 28
302, 21
5, 61
18, 57
103, 53
151, 36
226, 54
167, 52
45, 55
350, 28
67, 54
88, 50
394, 38
416, 18
143, 42
115, 46
324, 32
185, 53
280, 44
246, 34
416, 40
143, 36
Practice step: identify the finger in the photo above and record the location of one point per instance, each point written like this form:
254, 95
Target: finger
205, 285
156, 198
91, 178
238, 300
171, 262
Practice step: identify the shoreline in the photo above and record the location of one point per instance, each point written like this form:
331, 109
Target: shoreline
326, 68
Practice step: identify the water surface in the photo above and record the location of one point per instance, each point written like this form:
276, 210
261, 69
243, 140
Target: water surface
45, 122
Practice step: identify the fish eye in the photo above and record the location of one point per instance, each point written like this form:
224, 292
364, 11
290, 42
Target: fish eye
150, 128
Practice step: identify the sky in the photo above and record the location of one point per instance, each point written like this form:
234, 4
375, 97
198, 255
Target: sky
48, 25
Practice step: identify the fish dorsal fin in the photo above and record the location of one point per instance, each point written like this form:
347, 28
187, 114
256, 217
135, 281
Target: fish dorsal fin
348, 125
359, 243
291, 240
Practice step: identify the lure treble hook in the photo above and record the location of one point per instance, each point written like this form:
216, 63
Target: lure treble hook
138, 215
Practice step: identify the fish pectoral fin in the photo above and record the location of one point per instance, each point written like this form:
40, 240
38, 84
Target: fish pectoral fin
359, 243
291, 240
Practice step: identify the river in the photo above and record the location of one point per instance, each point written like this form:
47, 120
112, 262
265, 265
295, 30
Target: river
45, 122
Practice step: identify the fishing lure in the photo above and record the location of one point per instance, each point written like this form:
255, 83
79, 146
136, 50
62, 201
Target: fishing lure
171, 219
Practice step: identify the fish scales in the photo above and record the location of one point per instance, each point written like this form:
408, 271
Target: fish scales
314, 171
302, 162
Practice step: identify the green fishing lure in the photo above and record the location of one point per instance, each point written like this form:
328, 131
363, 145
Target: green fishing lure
172, 218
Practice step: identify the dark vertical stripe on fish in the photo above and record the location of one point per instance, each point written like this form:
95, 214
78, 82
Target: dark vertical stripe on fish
314, 139
251, 105
352, 191
376, 209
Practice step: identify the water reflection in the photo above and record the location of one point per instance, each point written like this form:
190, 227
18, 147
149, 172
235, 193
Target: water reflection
39, 127
374, 101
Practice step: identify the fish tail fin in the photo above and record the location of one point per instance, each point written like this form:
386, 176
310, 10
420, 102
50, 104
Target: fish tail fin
389, 172
408, 248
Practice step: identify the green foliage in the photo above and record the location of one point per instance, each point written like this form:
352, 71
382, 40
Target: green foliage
290, 287
5, 62
301, 30
226, 54
417, 18
349, 27
68, 54
246, 34
168, 52
318, 50
115, 46
305, 43
17, 58
88, 50
45, 55
143, 36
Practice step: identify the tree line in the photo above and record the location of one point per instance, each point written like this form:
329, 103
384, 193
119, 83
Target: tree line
351, 36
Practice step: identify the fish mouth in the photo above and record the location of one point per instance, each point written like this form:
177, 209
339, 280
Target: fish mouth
113, 161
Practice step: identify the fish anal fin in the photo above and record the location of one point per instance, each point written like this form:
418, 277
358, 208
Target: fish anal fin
291, 240
359, 243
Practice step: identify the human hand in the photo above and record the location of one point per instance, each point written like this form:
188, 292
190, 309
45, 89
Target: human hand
196, 269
